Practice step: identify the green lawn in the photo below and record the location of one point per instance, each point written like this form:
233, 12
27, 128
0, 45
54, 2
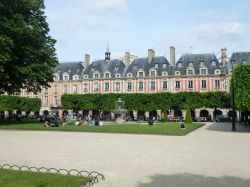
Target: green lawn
12, 178
158, 129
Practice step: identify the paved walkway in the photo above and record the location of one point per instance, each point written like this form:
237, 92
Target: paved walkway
212, 156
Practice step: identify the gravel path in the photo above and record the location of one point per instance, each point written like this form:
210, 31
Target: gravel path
210, 156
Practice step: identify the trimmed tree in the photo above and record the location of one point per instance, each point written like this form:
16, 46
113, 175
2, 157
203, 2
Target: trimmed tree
188, 118
27, 55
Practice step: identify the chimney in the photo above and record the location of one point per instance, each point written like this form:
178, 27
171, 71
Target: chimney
127, 59
224, 56
151, 55
172, 55
86, 61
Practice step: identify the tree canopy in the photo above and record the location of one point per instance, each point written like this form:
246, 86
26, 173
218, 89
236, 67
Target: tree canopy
27, 53
241, 80
147, 102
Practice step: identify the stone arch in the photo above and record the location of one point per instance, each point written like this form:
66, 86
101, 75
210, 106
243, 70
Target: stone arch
230, 114
177, 113
204, 113
217, 112
153, 114
141, 115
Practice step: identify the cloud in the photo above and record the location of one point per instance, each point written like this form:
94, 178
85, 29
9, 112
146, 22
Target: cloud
221, 29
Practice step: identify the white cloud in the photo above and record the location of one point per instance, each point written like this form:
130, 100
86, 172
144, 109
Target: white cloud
221, 29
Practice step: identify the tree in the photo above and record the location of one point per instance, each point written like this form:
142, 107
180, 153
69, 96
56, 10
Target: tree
188, 118
27, 53
241, 80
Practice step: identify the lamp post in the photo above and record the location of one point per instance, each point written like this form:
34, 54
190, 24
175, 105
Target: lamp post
223, 76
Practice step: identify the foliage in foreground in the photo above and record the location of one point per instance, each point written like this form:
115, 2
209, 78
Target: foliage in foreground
11, 178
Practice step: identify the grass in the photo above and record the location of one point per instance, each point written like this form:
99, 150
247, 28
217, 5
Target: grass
158, 129
12, 178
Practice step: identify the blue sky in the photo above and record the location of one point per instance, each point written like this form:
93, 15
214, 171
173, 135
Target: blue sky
192, 26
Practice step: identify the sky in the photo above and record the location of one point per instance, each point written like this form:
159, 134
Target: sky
191, 26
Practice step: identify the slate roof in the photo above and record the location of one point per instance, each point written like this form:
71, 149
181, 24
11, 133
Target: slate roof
194, 60
142, 63
72, 68
240, 57
102, 66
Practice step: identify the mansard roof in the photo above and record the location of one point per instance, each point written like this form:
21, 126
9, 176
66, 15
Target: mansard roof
194, 60
143, 64
240, 57
71, 68
102, 66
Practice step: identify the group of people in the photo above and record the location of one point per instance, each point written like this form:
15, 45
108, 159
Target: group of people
86, 122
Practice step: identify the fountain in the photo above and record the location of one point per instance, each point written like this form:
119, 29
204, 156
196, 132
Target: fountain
119, 111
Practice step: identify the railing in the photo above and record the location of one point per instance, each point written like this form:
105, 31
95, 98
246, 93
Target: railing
94, 177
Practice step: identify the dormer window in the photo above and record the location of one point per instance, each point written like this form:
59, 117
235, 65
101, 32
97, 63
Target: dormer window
107, 75
203, 71
177, 73
56, 78
164, 65
213, 63
153, 73
96, 75
140, 74
201, 63
69, 70
78, 70
156, 65
59, 71
117, 75
243, 61
76, 77
86, 76
129, 75
116, 67
135, 65
65, 77
217, 72
164, 73
190, 64
190, 72
179, 65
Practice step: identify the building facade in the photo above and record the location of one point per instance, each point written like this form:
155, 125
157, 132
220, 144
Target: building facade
152, 74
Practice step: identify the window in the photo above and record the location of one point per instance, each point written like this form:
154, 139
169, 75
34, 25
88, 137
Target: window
165, 85
74, 88
85, 87
203, 71
190, 84
190, 64
86, 77
65, 77
96, 87
152, 73
203, 84
190, 72
45, 100
75, 77
65, 89
179, 65
177, 84
116, 67
164, 73
106, 87
129, 75
56, 78
140, 74
117, 86
243, 61
46, 90
140, 85
152, 85
201, 63
69, 70
164, 65
217, 83
217, 72
55, 101
129, 86
96, 75
156, 65
117, 75
55, 89
213, 63
107, 75
177, 73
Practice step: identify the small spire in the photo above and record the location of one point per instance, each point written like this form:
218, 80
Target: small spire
107, 49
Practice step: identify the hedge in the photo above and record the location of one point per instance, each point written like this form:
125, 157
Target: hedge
147, 102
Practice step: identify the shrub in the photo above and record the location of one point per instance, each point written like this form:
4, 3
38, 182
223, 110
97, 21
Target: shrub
188, 119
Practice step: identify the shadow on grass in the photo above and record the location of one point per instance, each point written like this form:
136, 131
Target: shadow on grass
227, 127
194, 180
